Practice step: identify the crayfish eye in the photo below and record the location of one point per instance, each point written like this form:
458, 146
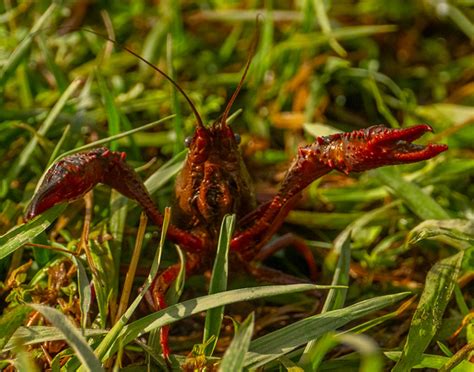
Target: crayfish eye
237, 138
187, 141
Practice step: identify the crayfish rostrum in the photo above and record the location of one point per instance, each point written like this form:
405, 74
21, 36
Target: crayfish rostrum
214, 182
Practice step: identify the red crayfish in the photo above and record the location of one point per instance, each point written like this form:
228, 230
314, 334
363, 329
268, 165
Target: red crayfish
214, 182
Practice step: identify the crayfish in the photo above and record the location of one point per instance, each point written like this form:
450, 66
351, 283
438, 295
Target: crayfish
214, 182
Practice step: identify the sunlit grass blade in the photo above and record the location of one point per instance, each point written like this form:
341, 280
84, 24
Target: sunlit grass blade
341, 254
19, 235
463, 354
325, 25
120, 324
84, 289
187, 308
22, 49
24, 360
439, 287
336, 297
318, 220
284, 340
72, 336
36, 334
176, 108
314, 40
165, 173
218, 283
24, 157
456, 232
10, 321
111, 110
57, 148
418, 201
429, 361
381, 106
370, 355
109, 139
364, 327
130, 276
176, 289
233, 359
117, 222
102, 276
59, 76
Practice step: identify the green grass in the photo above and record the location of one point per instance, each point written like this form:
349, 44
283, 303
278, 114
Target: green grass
394, 246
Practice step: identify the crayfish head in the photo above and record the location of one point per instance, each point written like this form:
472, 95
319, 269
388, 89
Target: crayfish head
213, 182
379, 146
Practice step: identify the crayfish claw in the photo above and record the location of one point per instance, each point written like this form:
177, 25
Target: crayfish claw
377, 146
67, 180
381, 134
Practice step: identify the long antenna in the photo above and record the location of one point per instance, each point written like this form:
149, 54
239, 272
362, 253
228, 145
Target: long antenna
224, 116
175, 84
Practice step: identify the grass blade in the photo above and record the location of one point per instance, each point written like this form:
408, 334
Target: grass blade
325, 25
456, 232
37, 334
19, 235
120, 324
233, 359
371, 357
48, 122
187, 308
420, 203
432, 361
72, 336
109, 139
342, 253
22, 48
111, 111
130, 276
10, 321
84, 289
440, 283
57, 148
284, 340
218, 284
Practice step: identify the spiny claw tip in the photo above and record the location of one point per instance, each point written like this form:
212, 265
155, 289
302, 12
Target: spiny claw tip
437, 147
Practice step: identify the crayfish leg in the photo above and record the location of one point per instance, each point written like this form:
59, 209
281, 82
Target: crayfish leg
156, 295
290, 240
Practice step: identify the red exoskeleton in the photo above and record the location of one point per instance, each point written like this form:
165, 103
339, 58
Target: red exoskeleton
214, 182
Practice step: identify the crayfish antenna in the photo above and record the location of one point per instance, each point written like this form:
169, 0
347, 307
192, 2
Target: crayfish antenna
253, 48
200, 123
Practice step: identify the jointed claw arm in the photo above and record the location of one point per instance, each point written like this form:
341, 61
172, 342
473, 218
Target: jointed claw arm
73, 176
355, 151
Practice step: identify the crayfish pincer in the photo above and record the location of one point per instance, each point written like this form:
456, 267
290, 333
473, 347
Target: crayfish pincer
214, 182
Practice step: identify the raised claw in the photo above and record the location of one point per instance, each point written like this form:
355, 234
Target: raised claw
356, 151
67, 180
73, 176
374, 147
